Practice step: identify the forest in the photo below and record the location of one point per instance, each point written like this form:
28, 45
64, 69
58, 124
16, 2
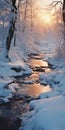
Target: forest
32, 64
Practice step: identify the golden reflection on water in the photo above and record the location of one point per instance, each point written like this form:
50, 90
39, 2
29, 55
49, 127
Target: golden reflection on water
33, 89
34, 62
36, 88
33, 77
39, 63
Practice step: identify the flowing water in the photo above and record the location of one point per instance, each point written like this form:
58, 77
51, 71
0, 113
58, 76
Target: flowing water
30, 88
31, 84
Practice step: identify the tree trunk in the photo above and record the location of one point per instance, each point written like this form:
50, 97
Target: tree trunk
25, 15
10, 34
63, 11
12, 26
14, 3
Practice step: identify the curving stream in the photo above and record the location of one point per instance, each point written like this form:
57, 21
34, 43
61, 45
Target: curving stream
31, 84
29, 89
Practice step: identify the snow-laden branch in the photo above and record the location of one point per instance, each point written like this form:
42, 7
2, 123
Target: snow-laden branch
54, 3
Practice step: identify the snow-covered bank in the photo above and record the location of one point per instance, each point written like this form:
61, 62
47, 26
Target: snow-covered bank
7, 73
47, 114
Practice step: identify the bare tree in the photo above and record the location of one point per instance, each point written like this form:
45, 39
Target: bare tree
63, 11
25, 15
12, 25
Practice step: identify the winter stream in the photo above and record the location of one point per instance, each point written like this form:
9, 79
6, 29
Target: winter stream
30, 85
29, 89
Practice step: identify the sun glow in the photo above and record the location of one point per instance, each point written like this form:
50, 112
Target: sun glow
47, 18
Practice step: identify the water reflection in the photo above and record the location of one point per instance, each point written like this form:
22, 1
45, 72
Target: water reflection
33, 89
30, 84
39, 65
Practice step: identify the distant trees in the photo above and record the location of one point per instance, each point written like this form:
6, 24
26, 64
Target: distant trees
28, 14
11, 7
55, 3
27, 11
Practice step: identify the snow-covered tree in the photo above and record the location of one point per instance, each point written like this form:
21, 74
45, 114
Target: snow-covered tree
8, 15
13, 12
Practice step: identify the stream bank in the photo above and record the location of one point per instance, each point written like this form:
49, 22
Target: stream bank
29, 89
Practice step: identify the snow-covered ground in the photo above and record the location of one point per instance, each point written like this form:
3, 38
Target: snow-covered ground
46, 114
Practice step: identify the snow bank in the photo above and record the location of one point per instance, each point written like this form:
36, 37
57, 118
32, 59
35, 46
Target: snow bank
10, 69
7, 73
48, 114
56, 79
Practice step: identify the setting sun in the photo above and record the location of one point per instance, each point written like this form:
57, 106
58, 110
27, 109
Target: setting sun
47, 19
